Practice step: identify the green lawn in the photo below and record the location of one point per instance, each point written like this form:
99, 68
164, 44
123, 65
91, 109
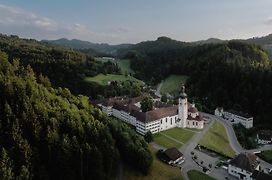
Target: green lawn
159, 171
179, 134
266, 155
103, 79
172, 84
216, 139
197, 175
165, 142
124, 64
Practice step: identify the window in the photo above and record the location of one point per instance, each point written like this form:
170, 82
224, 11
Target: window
171, 121
166, 120
196, 123
161, 121
193, 123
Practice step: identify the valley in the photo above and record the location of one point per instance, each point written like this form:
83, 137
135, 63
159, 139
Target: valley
103, 79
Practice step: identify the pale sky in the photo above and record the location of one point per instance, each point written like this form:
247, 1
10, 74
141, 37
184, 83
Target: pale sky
132, 21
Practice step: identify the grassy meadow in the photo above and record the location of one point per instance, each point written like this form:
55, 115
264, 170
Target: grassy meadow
216, 139
159, 171
103, 79
172, 84
180, 135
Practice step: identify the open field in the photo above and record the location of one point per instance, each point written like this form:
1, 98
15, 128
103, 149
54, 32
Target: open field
159, 171
165, 138
165, 141
172, 84
266, 156
197, 175
216, 139
103, 79
124, 64
179, 134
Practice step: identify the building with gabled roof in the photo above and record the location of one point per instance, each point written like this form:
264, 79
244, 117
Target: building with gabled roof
243, 165
264, 138
172, 156
162, 117
235, 117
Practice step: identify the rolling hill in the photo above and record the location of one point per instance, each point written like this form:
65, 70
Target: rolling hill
79, 44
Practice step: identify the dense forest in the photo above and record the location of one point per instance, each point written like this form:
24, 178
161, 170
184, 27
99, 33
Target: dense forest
48, 133
63, 66
87, 46
232, 74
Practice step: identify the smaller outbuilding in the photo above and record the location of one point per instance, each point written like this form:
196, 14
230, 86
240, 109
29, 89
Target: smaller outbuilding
243, 166
235, 117
264, 138
219, 111
171, 156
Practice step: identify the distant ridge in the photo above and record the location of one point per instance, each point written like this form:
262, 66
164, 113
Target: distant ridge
210, 41
79, 44
113, 50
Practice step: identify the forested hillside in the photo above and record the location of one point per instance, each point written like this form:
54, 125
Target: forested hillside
231, 74
88, 46
48, 133
64, 67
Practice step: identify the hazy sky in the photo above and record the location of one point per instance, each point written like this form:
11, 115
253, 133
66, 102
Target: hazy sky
131, 21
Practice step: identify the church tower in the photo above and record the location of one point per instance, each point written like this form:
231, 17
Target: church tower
182, 108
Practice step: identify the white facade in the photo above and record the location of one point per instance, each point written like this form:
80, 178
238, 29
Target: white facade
107, 109
243, 166
247, 122
195, 124
183, 112
153, 126
218, 112
168, 122
240, 173
168, 118
177, 161
263, 141
124, 116
236, 118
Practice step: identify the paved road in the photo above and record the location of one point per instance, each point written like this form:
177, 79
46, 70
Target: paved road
219, 173
230, 132
187, 148
235, 143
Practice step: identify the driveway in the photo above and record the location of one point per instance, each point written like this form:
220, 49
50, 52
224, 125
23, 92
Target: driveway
219, 173
235, 143
187, 148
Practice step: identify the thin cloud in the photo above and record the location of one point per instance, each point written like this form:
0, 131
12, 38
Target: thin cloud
14, 20
268, 21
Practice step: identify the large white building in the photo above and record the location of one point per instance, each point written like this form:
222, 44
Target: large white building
183, 115
235, 117
243, 166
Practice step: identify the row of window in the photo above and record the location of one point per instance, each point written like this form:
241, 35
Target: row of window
171, 122
155, 127
141, 128
149, 125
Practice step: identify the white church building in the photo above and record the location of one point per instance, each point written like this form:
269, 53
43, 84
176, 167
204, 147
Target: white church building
183, 115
